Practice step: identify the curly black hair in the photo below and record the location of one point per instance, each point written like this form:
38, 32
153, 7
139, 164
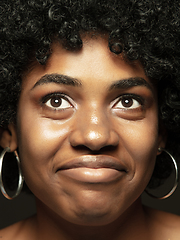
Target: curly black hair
143, 30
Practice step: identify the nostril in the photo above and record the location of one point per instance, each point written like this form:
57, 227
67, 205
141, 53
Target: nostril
95, 151
109, 148
93, 137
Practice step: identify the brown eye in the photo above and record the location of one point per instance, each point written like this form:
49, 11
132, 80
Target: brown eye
127, 103
57, 103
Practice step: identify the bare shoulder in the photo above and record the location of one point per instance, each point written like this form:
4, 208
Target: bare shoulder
12, 231
163, 225
18, 231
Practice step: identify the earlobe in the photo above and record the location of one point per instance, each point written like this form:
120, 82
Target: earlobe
8, 137
162, 139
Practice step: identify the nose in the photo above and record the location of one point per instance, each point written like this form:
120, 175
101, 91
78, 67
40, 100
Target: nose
94, 130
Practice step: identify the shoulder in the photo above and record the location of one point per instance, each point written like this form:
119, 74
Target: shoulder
19, 231
12, 232
162, 224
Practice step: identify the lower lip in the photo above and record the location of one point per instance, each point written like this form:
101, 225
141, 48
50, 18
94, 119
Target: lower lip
91, 175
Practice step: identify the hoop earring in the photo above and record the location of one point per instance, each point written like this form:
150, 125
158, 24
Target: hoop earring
21, 178
175, 181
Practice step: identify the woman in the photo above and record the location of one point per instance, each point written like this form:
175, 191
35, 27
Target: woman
90, 98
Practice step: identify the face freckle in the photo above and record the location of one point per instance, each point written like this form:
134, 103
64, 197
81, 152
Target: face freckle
81, 147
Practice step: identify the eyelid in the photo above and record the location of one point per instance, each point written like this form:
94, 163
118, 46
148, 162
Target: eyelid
47, 97
136, 97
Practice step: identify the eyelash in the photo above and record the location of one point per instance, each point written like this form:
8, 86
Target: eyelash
65, 101
60, 97
128, 97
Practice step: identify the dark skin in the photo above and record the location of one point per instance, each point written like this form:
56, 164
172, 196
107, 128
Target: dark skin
88, 136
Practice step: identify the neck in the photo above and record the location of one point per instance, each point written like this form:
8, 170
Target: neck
130, 225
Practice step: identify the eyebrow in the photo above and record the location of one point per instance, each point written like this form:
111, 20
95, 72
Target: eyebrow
129, 83
66, 80
59, 79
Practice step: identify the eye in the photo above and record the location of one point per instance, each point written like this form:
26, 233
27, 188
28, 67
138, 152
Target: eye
57, 103
129, 102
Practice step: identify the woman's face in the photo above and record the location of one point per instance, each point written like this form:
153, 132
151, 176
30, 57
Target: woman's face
87, 130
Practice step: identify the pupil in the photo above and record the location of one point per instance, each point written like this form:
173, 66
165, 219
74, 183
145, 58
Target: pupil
55, 102
127, 102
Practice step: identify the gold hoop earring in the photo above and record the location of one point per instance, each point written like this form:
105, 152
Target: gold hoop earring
21, 178
176, 177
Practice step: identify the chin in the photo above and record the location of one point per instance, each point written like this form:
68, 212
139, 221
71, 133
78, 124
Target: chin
95, 215
93, 208
94, 218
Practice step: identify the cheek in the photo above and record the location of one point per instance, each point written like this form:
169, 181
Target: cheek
39, 140
141, 143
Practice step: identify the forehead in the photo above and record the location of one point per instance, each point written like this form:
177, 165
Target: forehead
94, 61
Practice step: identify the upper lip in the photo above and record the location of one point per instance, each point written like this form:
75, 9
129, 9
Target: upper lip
94, 161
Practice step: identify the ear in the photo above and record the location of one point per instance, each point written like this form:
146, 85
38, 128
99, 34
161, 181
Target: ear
162, 138
8, 137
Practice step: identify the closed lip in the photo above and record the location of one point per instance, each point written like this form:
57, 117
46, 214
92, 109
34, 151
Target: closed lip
94, 162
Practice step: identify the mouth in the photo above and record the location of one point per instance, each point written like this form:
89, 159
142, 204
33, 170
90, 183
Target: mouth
93, 169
